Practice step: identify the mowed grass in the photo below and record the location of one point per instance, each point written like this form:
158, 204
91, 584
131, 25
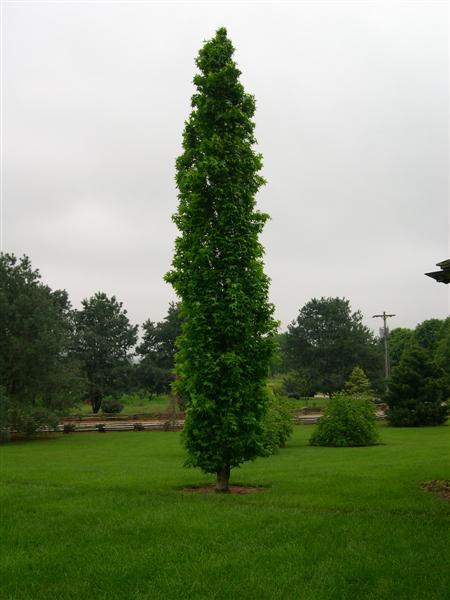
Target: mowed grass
151, 406
101, 516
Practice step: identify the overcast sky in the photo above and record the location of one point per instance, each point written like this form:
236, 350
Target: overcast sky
352, 121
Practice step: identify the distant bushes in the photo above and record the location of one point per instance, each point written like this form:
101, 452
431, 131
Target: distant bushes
111, 406
297, 384
23, 418
347, 421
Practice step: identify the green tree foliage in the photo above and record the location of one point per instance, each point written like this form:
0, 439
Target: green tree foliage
358, 384
442, 354
399, 339
227, 343
417, 390
157, 351
347, 421
276, 363
428, 333
327, 340
104, 340
277, 423
39, 377
298, 384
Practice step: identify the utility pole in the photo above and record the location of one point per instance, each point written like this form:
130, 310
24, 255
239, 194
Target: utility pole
385, 317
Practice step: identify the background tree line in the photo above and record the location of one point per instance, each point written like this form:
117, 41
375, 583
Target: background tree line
52, 356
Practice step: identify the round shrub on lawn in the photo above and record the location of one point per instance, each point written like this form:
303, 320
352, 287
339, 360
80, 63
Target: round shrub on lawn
111, 406
347, 421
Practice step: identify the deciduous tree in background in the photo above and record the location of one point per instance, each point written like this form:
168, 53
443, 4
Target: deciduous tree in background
227, 335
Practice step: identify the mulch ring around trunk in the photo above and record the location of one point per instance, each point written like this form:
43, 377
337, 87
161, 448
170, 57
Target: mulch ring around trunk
233, 489
438, 487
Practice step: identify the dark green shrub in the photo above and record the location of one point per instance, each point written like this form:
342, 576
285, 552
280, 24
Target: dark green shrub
138, 427
5, 435
297, 384
24, 418
347, 421
277, 423
5, 417
69, 427
27, 419
417, 391
111, 406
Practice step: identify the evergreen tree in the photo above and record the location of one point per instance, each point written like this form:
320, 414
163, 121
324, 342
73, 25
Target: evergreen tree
326, 340
104, 340
157, 352
428, 334
442, 354
417, 390
227, 334
399, 339
39, 377
158, 340
358, 384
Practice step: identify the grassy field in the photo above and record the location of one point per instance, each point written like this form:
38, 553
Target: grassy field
101, 516
138, 405
161, 404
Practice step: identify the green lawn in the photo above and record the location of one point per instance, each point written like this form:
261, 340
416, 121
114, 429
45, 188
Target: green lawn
151, 406
99, 516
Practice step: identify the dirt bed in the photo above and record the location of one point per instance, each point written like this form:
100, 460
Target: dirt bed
233, 489
438, 487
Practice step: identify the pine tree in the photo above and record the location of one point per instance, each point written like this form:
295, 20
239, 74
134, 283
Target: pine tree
104, 342
358, 384
227, 342
416, 392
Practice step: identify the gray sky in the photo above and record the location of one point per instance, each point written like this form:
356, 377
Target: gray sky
352, 120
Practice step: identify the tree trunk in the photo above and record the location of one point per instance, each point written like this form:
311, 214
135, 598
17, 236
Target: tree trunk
223, 477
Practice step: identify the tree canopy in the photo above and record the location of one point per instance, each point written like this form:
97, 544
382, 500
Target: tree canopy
227, 334
40, 379
417, 390
428, 333
327, 340
157, 351
104, 340
399, 339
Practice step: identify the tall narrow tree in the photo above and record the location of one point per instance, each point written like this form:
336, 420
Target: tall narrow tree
227, 334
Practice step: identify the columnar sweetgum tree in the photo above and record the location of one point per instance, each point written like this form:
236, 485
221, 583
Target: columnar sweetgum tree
227, 338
